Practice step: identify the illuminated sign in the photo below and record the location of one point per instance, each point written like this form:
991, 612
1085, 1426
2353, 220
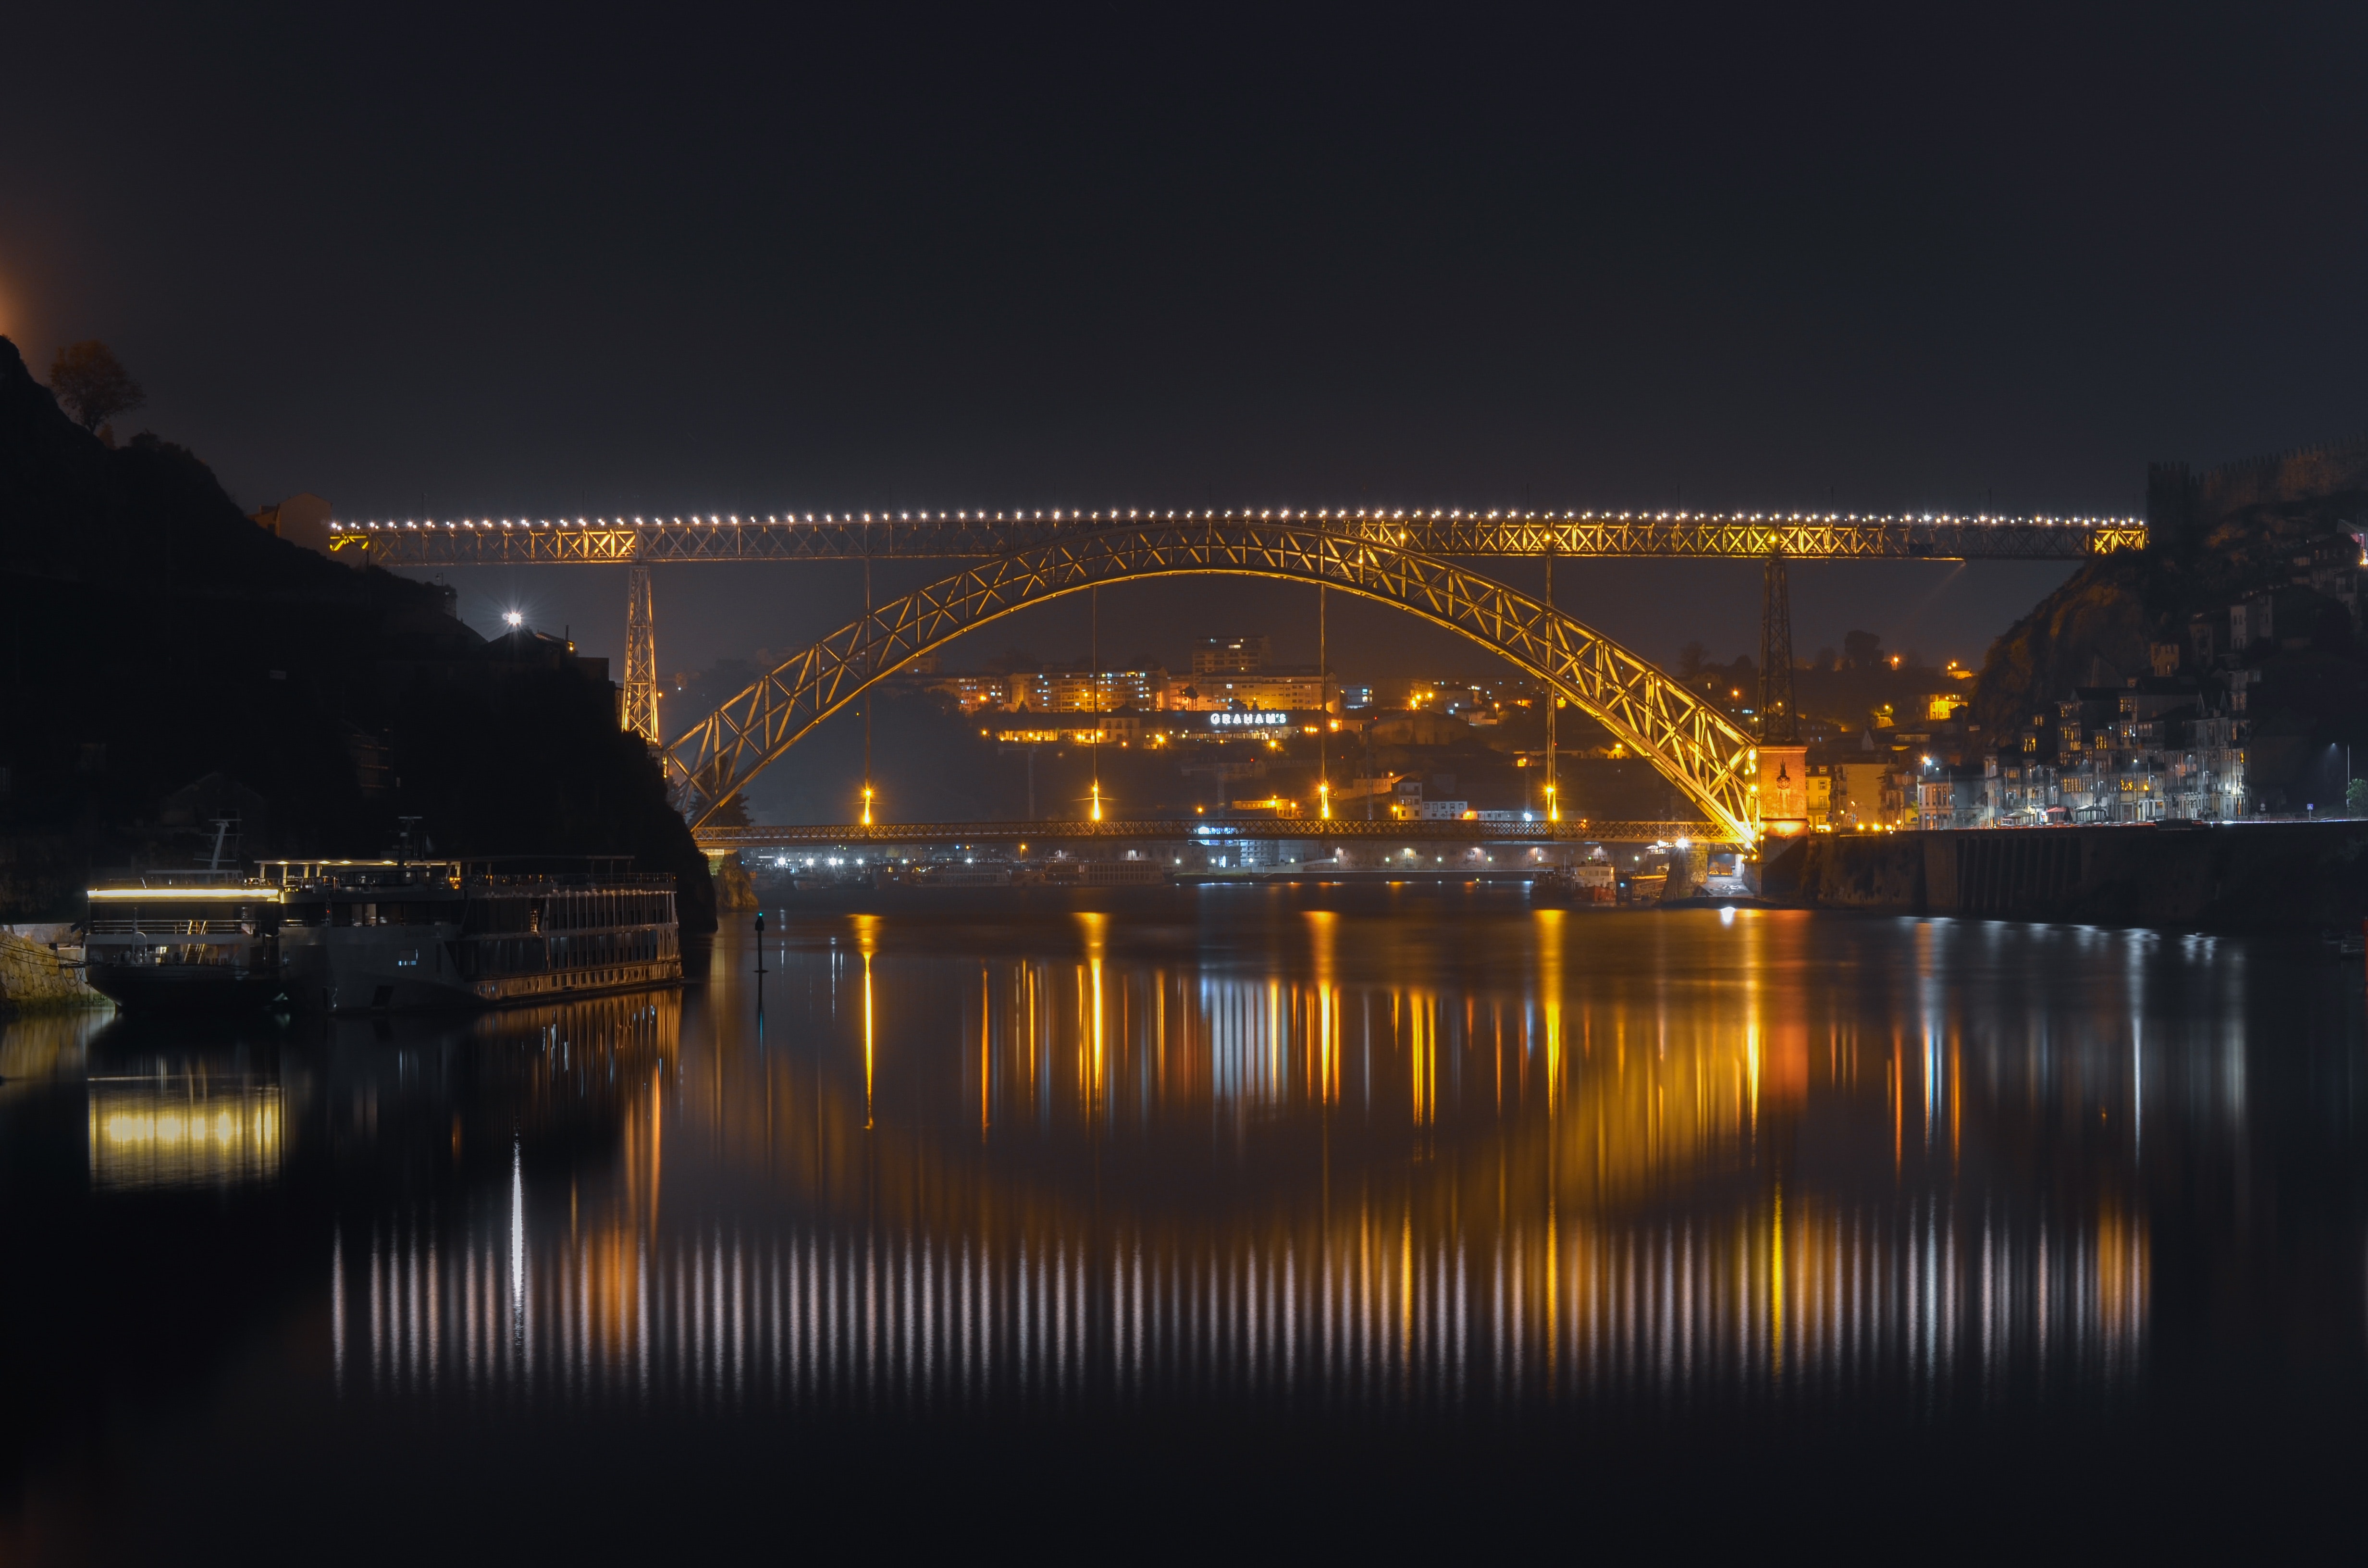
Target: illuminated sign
1249, 720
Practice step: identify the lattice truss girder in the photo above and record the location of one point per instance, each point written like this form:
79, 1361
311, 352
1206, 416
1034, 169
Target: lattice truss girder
592, 542
1200, 830
1696, 747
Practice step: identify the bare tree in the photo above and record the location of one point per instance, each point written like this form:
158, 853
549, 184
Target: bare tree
91, 385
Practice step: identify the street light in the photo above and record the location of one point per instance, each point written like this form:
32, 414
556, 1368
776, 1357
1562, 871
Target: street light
867, 805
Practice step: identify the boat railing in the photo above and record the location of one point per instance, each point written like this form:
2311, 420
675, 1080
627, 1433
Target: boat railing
634, 881
122, 925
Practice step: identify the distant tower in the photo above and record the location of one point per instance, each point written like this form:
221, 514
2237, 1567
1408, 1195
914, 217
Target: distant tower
1779, 724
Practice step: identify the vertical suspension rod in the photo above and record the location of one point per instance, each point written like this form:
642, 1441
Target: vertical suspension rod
1554, 800
869, 690
1324, 714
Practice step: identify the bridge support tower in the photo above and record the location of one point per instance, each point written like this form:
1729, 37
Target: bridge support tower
1780, 724
641, 714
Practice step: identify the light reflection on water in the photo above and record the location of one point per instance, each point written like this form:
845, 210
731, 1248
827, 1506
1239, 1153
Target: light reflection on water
191, 1129
1433, 1168
1377, 1313
1337, 1163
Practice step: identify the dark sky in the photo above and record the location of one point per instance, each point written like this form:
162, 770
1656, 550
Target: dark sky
654, 258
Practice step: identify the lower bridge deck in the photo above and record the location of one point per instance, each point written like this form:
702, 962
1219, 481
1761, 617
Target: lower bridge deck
1201, 830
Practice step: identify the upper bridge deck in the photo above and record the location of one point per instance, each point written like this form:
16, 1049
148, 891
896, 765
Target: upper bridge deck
940, 536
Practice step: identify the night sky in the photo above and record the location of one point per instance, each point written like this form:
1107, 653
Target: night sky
651, 259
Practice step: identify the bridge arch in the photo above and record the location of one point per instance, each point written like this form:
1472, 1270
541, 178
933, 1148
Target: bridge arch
1696, 746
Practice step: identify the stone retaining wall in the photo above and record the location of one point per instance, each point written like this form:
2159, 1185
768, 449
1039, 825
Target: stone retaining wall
2246, 876
32, 979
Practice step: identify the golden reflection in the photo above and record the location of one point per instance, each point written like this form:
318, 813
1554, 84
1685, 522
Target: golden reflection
1323, 930
184, 1129
867, 938
1776, 1284
1145, 1046
1495, 1215
1549, 929
1096, 927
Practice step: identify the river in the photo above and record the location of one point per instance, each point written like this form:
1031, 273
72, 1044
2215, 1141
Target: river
1380, 1212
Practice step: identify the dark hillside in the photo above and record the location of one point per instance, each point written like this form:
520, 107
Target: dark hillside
164, 663
2277, 525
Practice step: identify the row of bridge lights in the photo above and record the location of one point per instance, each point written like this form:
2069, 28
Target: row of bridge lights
1282, 515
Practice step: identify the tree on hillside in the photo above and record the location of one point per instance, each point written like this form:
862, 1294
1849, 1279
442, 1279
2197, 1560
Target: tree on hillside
91, 385
1863, 650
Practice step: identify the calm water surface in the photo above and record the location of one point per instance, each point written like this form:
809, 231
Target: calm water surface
1378, 1210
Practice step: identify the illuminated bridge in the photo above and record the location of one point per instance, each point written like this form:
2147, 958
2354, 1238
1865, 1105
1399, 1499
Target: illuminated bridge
1202, 830
905, 536
1402, 557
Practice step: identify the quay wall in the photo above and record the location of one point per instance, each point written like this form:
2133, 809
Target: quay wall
2249, 876
32, 979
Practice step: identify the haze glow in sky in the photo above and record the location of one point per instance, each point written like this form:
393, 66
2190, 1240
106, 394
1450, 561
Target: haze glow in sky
668, 261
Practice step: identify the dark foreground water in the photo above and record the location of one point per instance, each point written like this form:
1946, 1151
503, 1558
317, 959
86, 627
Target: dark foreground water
1249, 1215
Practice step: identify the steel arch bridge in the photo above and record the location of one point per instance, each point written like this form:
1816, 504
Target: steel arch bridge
1694, 746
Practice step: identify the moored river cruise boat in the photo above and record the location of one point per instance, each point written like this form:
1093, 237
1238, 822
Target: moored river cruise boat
379, 936
183, 940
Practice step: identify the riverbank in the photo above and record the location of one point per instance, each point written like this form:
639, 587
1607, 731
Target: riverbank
2282, 876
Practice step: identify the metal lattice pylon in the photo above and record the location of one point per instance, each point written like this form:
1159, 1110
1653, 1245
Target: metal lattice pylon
1697, 747
1780, 722
641, 714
